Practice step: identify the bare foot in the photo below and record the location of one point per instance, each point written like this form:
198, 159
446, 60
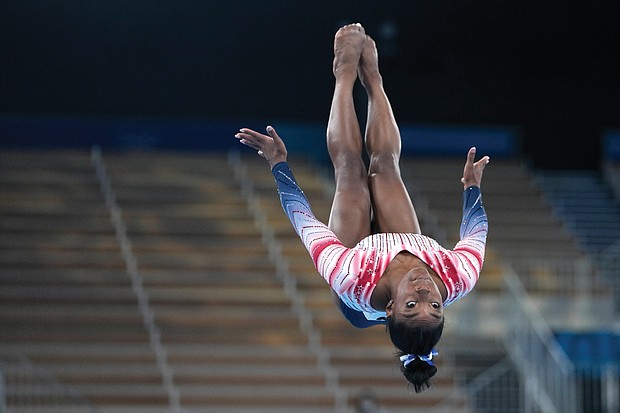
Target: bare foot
368, 69
348, 43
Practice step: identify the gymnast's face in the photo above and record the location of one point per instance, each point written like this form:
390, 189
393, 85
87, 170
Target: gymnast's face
417, 300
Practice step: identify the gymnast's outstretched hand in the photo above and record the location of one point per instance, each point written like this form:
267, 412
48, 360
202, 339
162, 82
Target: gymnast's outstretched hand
270, 147
472, 173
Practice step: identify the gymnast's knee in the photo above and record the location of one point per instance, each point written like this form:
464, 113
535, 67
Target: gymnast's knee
349, 167
386, 165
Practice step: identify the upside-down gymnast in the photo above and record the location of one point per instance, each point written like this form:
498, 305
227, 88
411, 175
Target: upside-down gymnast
381, 269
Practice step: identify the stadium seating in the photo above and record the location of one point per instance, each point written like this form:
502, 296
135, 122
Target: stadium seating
229, 325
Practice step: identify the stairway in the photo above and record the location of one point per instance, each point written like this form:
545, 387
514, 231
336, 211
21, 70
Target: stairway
66, 302
231, 336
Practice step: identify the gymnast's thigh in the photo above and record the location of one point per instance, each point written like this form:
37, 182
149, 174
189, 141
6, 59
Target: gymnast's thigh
351, 212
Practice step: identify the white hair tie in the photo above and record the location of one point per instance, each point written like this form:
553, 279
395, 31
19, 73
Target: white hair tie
408, 358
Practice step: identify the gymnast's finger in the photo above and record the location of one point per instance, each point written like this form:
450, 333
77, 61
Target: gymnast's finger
471, 155
483, 162
250, 137
273, 134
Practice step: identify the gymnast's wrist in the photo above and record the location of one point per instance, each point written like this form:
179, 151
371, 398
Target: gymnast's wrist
471, 187
277, 165
275, 161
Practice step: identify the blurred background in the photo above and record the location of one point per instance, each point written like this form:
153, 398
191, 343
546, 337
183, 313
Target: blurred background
147, 266
547, 69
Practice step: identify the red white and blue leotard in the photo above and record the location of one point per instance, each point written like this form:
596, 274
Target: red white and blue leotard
353, 273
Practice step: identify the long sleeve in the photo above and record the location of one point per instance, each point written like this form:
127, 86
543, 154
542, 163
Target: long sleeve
327, 252
473, 231
314, 234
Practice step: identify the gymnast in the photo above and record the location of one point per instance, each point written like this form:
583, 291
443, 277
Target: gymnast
380, 267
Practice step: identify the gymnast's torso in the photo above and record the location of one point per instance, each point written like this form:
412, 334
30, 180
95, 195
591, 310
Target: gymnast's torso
354, 273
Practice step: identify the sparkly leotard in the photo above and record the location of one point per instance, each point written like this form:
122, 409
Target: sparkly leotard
353, 273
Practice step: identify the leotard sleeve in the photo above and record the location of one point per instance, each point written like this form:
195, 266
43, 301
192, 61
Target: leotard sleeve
314, 234
473, 234
327, 252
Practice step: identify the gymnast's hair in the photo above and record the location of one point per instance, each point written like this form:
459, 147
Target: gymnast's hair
417, 340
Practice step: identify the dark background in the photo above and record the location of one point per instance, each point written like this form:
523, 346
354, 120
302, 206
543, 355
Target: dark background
548, 68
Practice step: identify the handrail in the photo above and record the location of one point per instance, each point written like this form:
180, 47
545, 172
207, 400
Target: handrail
548, 373
137, 283
489, 375
289, 282
499, 372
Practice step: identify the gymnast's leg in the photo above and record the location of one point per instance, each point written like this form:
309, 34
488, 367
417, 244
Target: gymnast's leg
392, 207
351, 207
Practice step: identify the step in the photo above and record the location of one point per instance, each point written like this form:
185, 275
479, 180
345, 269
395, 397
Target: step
92, 352
251, 372
70, 315
75, 336
257, 395
267, 353
77, 294
43, 224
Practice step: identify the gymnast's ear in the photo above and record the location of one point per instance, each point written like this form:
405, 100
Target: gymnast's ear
388, 308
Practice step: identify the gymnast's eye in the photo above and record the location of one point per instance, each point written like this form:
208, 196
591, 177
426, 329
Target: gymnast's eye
410, 304
435, 305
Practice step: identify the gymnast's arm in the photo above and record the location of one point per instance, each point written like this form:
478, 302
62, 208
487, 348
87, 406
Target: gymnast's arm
474, 226
315, 235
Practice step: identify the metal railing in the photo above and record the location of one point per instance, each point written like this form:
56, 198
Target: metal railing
538, 376
548, 374
600, 387
289, 282
131, 263
497, 390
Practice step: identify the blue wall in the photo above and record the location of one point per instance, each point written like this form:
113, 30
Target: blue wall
307, 138
592, 347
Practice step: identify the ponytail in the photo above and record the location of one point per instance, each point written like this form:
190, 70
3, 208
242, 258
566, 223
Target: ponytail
416, 344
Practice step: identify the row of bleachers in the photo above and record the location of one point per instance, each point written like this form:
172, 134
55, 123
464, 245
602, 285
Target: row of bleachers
233, 341
232, 338
66, 302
